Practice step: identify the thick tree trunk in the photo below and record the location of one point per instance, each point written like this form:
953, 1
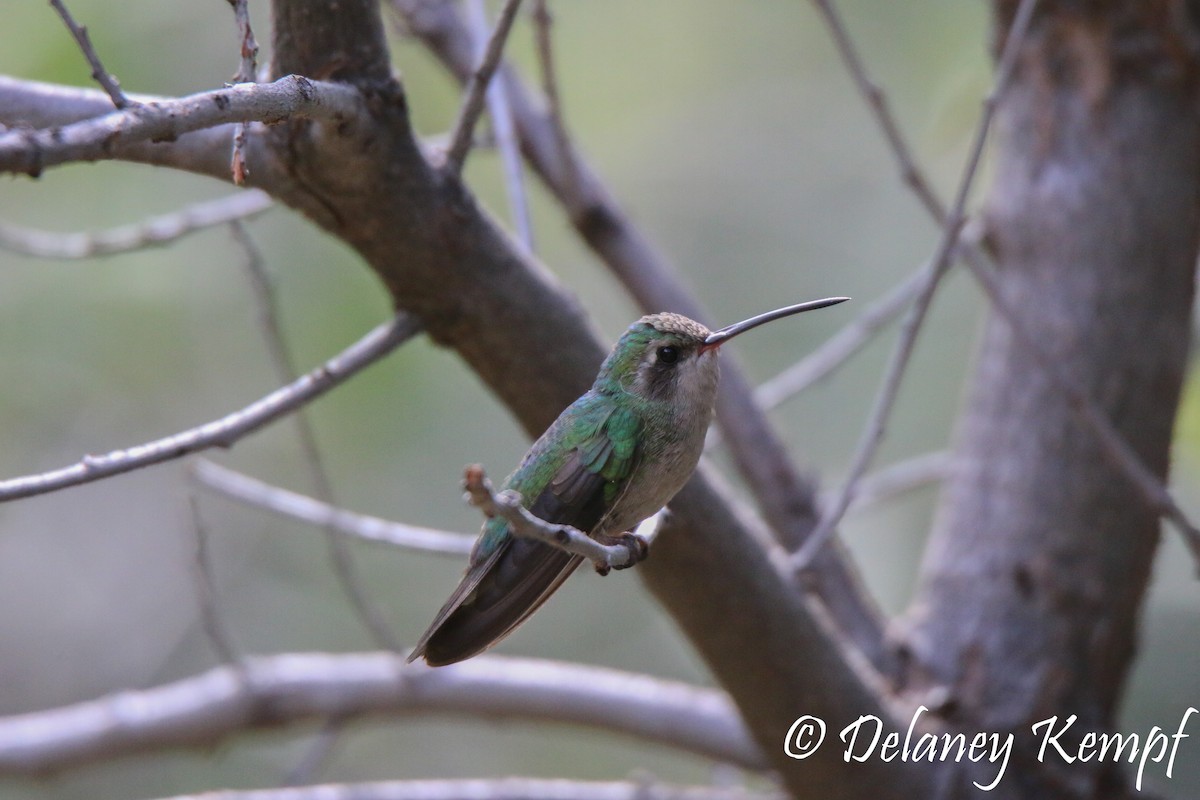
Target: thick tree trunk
1041, 552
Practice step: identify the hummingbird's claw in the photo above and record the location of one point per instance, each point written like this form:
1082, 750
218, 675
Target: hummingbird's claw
637, 547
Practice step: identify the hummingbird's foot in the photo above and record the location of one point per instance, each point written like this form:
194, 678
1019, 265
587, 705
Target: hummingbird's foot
636, 546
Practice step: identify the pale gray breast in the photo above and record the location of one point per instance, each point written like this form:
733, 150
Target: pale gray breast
671, 447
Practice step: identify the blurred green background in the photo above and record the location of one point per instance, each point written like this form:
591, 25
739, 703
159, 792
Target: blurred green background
729, 131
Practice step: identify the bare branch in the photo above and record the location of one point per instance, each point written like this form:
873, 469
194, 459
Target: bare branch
28, 104
239, 169
228, 429
502, 128
285, 371
489, 789
246, 73
102, 76
877, 100
877, 423
157, 230
252, 492
317, 754
472, 107
841, 346
164, 120
206, 590
623, 552
248, 50
289, 689
543, 21
904, 476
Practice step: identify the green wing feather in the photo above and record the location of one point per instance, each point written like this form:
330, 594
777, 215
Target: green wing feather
592, 449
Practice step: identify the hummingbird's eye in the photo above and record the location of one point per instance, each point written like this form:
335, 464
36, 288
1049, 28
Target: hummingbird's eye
668, 354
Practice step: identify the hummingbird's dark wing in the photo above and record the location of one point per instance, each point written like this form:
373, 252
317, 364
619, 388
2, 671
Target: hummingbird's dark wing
503, 589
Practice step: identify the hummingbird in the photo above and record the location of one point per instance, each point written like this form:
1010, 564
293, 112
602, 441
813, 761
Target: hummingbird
613, 458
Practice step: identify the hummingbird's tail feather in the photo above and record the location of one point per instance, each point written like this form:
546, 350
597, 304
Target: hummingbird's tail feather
460, 595
521, 576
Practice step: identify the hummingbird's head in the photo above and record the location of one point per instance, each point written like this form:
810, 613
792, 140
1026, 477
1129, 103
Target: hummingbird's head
660, 357
668, 356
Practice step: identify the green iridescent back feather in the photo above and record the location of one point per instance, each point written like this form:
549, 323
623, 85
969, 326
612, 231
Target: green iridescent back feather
606, 438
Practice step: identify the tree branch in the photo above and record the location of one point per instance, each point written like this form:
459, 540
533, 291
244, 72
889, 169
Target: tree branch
901, 477
101, 75
504, 133
154, 231
271, 691
165, 120
463, 132
248, 45
28, 104
225, 431
543, 21
205, 584
489, 789
840, 347
624, 552
249, 491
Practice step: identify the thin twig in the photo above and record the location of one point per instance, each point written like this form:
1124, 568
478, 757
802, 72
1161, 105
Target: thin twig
506, 136
877, 100
246, 73
206, 590
248, 48
292, 689
285, 372
223, 432
249, 491
318, 753
624, 552
239, 169
155, 231
165, 120
1155, 493
839, 348
881, 411
543, 21
473, 102
900, 478
102, 76
511, 788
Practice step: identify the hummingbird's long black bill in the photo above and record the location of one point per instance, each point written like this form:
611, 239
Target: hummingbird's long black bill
729, 331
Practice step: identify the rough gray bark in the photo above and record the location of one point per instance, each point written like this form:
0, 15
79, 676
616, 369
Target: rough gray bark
1033, 580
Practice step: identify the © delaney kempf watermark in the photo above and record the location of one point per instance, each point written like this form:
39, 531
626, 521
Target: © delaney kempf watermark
866, 738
